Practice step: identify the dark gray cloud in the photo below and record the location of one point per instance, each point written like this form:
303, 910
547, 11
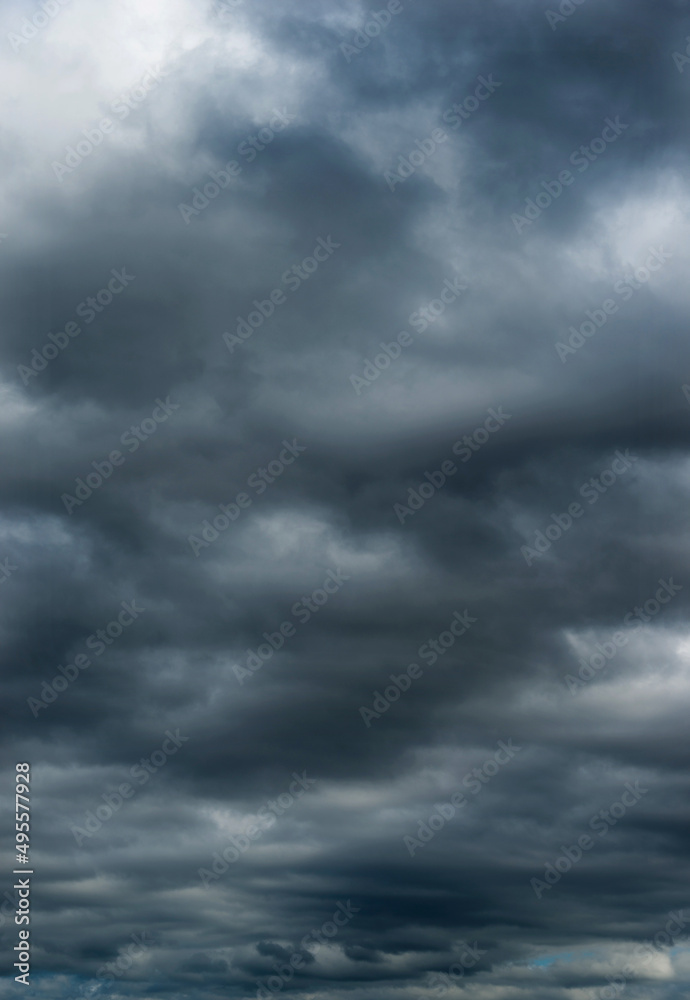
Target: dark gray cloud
343, 394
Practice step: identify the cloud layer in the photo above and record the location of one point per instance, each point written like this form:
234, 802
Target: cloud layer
344, 497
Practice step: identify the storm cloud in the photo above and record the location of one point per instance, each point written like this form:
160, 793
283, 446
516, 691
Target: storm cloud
344, 559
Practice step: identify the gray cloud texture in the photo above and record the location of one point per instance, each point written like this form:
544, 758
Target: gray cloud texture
329, 326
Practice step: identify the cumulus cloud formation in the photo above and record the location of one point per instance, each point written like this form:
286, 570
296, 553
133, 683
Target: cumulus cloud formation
344, 574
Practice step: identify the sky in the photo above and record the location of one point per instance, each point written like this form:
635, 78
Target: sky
343, 538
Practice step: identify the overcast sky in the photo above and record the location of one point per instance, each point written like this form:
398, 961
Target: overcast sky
344, 548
